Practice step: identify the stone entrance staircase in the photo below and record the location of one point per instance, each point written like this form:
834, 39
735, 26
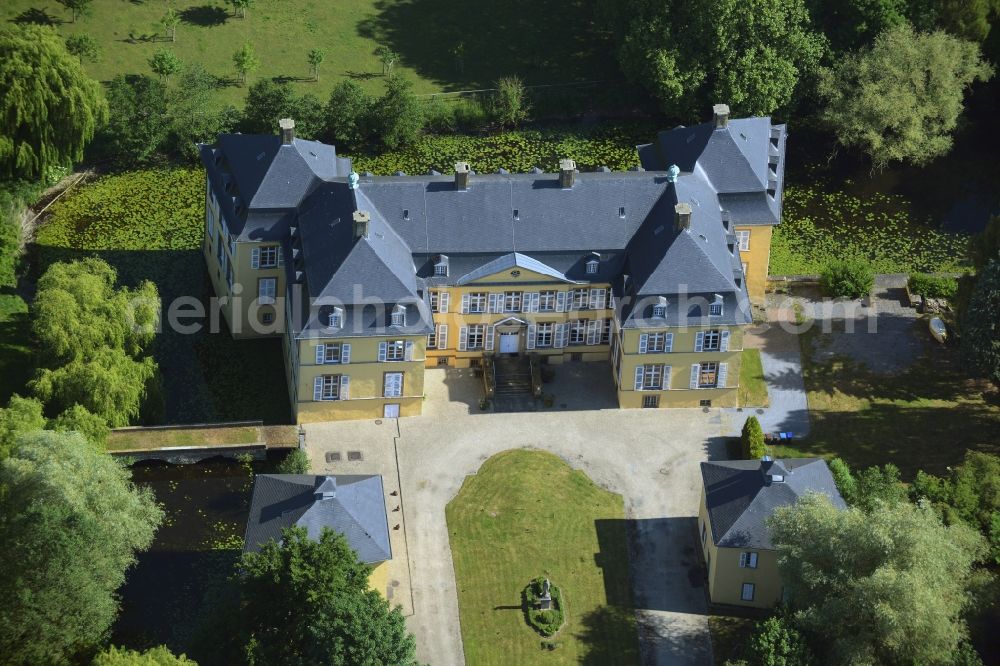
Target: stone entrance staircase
513, 385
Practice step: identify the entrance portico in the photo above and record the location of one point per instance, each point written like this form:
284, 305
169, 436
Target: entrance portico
510, 335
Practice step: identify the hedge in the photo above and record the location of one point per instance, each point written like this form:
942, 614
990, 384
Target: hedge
545, 622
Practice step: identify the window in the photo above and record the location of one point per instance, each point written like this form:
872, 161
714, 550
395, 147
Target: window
337, 318
621, 212
650, 401
517, 214
441, 270
592, 266
543, 337
746, 594
704, 531
329, 354
547, 301
435, 301
329, 387
398, 316
269, 256
704, 403
652, 377
743, 236
712, 340
580, 299
477, 333
512, 301
267, 317
266, 290
715, 309
748, 560
598, 298
577, 332
395, 350
393, 385
606, 332
406, 213
708, 375
657, 343
477, 301
432, 339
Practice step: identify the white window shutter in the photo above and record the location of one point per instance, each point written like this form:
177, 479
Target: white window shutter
489, 337
382, 346
561, 301
596, 296
638, 377
536, 299
320, 354
388, 384
593, 332
666, 377
281, 256
495, 303
699, 341
408, 351
643, 342
345, 387
668, 345
442, 340
525, 301
255, 258
465, 304
695, 370
724, 341
318, 389
532, 333
345, 353
723, 375
560, 336
463, 338
611, 300
443, 301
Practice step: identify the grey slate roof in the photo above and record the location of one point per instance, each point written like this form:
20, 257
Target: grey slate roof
353, 505
740, 497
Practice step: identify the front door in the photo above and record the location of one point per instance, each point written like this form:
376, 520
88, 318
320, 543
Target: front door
391, 411
509, 343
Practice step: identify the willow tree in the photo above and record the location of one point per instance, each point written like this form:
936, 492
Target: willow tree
49, 109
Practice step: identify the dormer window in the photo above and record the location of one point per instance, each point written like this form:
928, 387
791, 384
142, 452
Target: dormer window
517, 214
660, 308
441, 266
715, 309
593, 263
336, 319
406, 213
399, 316
621, 212
726, 220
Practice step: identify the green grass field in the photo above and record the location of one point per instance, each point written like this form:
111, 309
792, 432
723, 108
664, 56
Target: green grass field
542, 41
753, 388
527, 514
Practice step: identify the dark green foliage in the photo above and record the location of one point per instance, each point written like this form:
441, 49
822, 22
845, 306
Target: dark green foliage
509, 105
398, 116
545, 622
981, 325
850, 24
848, 278
157, 656
307, 602
268, 101
138, 122
77, 419
986, 245
752, 440
776, 642
72, 523
76, 7
965, 19
870, 489
296, 462
932, 286
842, 476
83, 46
164, 63
192, 118
49, 109
348, 115
20, 416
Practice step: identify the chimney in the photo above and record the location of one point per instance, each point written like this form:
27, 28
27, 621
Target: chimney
287, 126
567, 173
361, 222
327, 489
721, 115
682, 216
462, 173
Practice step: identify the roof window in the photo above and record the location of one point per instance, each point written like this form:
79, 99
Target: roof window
441, 266
621, 212
517, 214
399, 315
336, 319
715, 309
406, 213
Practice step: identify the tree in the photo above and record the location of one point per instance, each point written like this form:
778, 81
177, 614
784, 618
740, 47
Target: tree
752, 438
900, 99
981, 325
21, 416
192, 119
72, 521
510, 107
850, 24
986, 245
83, 46
316, 58
296, 462
388, 58
776, 642
246, 61
268, 100
171, 19
76, 7
49, 109
863, 585
78, 310
77, 419
157, 656
399, 117
307, 602
138, 122
965, 19
349, 114
164, 63
848, 278
750, 54
871, 488
241, 6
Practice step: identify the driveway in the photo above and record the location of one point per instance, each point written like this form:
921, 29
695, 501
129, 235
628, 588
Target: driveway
650, 457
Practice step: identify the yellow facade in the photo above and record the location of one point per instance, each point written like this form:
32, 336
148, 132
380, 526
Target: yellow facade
756, 258
727, 579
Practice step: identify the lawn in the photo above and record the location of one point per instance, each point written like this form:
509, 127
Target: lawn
441, 45
527, 514
925, 417
753, 388
15, 350
124, 440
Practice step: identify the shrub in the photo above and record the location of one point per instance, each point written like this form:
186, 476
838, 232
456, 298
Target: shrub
776, 642
545, 622
77, 419
509, 105
753, 440
848, 278
296, 462
932, 286
348, 115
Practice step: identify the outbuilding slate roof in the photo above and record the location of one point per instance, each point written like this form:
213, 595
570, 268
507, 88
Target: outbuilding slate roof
740, 495
352, 505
